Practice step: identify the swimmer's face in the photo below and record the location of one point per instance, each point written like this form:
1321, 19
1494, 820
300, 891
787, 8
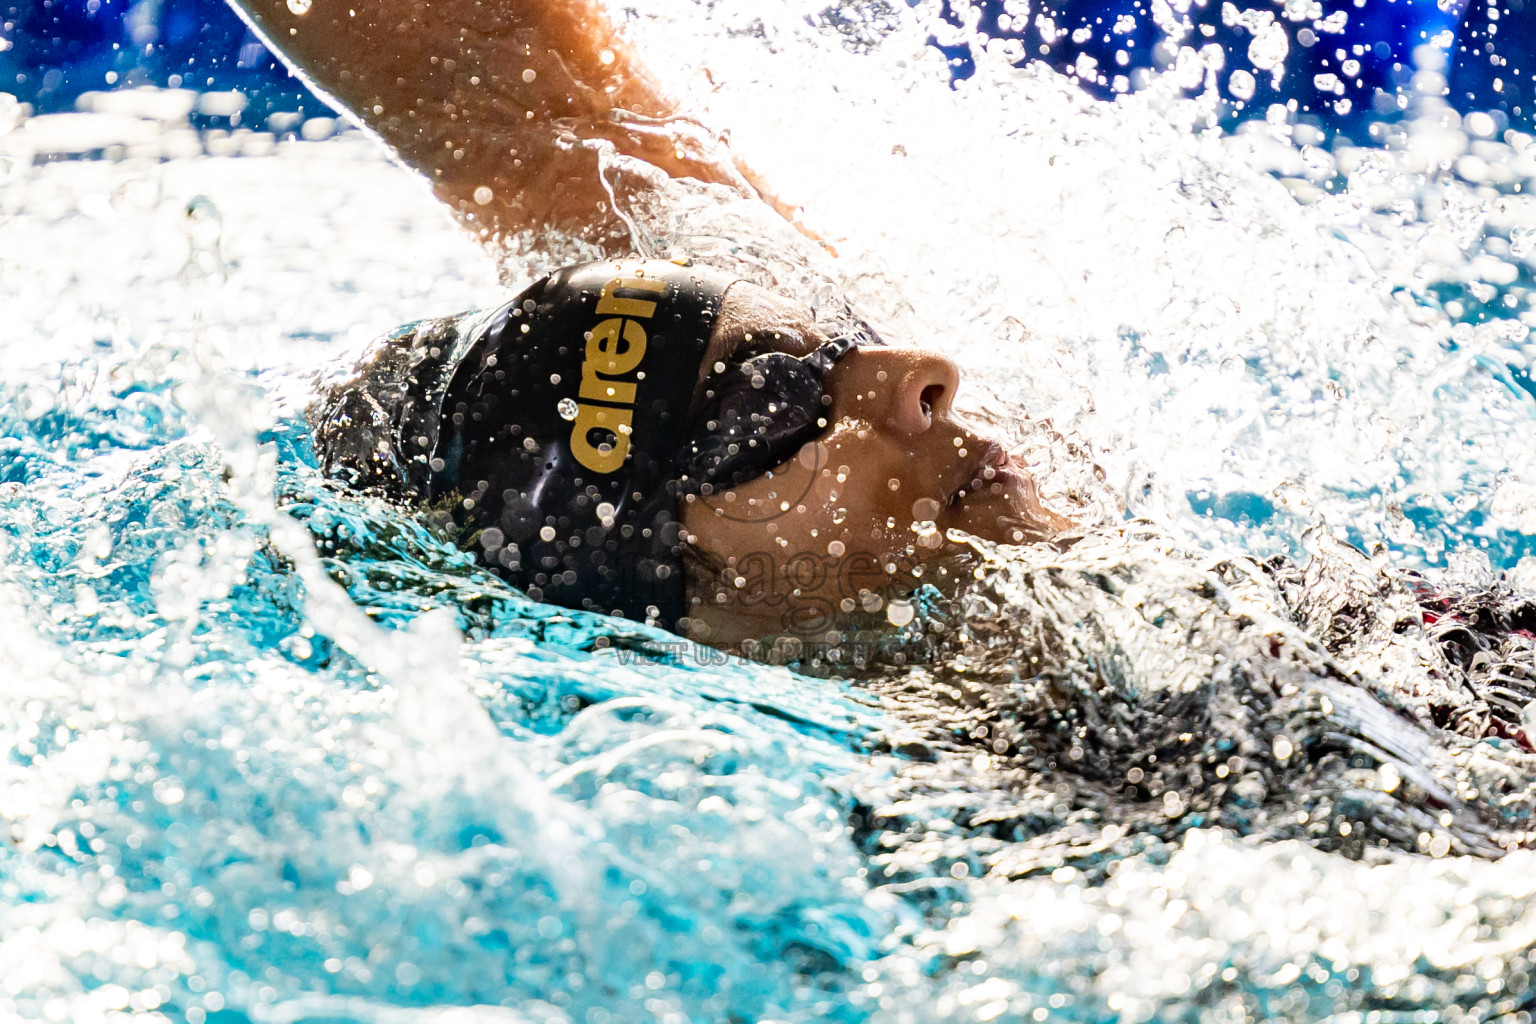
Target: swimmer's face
861, 512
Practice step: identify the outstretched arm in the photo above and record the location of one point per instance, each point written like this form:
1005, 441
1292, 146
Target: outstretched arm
500, 103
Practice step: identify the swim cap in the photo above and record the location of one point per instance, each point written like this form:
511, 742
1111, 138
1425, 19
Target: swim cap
558, 433
559, 426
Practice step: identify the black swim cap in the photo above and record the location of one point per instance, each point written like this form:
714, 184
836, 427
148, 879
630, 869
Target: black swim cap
556, 431
559, 430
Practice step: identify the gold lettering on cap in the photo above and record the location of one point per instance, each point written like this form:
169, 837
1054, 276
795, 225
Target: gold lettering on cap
615, 348
602, 459
608, 303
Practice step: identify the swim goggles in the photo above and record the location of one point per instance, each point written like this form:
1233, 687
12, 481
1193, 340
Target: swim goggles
757, 414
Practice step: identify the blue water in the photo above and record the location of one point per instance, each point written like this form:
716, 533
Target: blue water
270, 825
276, 752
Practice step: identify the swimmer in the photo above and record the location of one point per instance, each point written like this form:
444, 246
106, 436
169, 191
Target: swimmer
648, 438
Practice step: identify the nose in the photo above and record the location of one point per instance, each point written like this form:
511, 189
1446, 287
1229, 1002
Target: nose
903, 389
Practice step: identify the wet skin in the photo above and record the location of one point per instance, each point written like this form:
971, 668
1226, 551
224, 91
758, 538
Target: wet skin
863, 511
505, 107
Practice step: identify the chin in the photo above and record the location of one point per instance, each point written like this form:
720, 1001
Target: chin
1010, 515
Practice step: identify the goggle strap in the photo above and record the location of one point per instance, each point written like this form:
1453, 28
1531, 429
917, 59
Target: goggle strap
826, 356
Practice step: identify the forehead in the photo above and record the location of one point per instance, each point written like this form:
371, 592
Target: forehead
754, 316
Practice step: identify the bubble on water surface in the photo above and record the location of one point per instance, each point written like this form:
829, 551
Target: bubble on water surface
1522, 241
10, 113
34, 401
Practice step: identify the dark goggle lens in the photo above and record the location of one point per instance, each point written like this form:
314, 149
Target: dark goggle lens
758, 414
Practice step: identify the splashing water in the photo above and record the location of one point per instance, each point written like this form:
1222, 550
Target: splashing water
278, 753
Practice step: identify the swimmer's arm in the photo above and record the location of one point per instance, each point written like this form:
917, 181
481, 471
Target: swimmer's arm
500, 103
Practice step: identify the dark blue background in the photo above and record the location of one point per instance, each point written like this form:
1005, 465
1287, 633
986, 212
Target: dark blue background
61, 48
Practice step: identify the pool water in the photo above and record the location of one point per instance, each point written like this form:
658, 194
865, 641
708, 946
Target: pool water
279, 753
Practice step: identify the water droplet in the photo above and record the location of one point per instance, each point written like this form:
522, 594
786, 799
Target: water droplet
925, 508
34, 401
928, 535
567, 408
836, 549
1522, 242
1528, 720
300, 7
894, 484
1389, 777
1269, 47
839, 515
86, 601
547, 533
1283, 748
900, 612
297, 647
484, 195
529, 74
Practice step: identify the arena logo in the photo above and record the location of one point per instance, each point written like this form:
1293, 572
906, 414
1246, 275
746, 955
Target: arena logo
615, 348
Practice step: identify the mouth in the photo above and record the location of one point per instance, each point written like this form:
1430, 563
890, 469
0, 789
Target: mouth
987, 467
992, 496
